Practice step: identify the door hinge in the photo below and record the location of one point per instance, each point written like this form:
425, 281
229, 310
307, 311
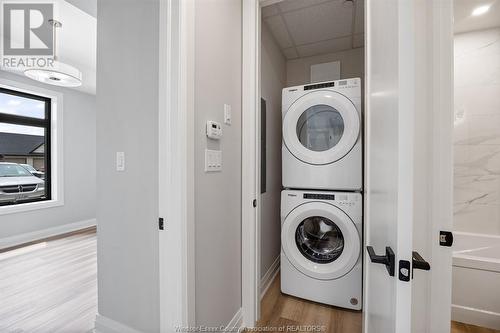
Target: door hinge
161, 223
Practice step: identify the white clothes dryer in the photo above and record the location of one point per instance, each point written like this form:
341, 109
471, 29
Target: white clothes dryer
322, 141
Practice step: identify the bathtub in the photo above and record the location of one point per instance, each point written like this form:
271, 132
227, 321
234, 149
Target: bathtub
476, 280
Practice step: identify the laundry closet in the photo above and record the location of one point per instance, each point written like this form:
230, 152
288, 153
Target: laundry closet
312, 63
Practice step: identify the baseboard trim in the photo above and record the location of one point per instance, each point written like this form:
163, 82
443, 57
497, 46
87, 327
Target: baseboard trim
268, 278
106, 325
29, 237
236, 323
476, 317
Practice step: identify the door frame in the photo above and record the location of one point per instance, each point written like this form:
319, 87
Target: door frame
176, 164
440, 88
250, 228
441, 167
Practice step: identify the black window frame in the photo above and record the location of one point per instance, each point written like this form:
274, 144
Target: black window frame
46, 124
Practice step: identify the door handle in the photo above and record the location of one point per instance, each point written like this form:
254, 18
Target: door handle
388, 260
419, 263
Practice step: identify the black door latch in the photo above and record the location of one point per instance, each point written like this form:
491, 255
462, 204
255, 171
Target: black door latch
388, 260
417, 262
446, 238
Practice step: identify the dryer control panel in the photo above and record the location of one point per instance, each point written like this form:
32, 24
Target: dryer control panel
339, 84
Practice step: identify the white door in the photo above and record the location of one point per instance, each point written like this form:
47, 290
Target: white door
408, 174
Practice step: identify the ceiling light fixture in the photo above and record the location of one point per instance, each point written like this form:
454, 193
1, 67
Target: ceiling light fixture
480, 10
57, 73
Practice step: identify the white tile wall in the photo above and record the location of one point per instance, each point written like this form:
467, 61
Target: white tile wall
477, 132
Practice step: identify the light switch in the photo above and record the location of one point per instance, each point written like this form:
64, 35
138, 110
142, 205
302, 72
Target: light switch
227, 114
120, 161
213, 160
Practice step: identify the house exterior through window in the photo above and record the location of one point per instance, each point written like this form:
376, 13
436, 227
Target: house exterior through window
25, 164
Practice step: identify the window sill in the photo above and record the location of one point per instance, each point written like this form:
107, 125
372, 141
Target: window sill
30, 206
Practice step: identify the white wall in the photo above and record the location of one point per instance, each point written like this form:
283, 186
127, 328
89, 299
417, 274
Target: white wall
79, 129
218, 195
127, 202
477, 132
298, 71
273, 79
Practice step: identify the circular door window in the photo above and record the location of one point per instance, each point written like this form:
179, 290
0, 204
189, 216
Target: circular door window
320, 128
319, 239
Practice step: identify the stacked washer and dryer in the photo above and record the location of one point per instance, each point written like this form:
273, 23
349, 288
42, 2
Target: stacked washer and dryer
321, 206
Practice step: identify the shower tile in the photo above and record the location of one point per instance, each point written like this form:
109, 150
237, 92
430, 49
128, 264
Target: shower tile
476, 134
477, 130
477, 100
477, 190
477, 60
476, 160
477, 218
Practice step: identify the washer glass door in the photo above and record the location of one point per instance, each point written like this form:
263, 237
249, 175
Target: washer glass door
320, 240
321, 127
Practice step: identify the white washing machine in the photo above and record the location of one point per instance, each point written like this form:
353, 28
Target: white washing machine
322, 143
321, 247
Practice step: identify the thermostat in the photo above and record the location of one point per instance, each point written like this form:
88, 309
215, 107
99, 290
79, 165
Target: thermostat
214, 130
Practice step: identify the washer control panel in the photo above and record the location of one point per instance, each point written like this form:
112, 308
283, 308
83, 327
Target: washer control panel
318, 196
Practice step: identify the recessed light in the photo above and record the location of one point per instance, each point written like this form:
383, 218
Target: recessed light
480, 10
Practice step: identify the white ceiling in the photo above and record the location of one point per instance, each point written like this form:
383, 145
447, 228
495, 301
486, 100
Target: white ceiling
88, 6
77, 42
464, 21
304, 28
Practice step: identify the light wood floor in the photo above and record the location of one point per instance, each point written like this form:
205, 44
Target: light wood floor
464, 328
280, 310
50, 287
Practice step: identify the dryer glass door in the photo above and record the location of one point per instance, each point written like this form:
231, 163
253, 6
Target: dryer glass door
321, 127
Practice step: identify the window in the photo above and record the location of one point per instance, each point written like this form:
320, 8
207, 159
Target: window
25, 161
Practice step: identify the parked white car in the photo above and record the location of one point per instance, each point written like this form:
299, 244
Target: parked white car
34, 171
18, 184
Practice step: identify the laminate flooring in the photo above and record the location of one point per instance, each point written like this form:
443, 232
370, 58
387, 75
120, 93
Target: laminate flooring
284, 313
50, 287
457, 327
